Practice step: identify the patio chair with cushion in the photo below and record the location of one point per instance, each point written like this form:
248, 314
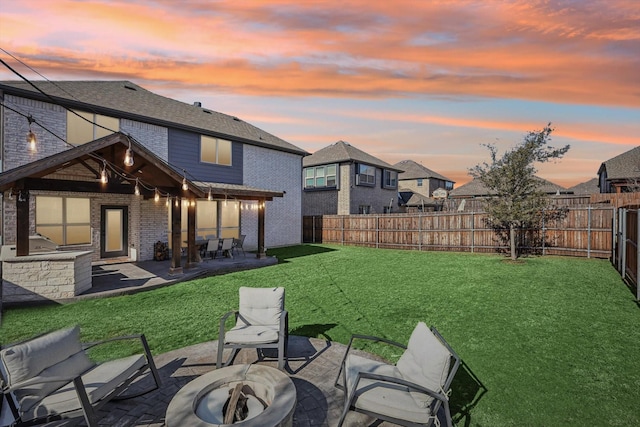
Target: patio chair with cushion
51, 378
226, 247
409, 393
212, 248
238, 244
261, 322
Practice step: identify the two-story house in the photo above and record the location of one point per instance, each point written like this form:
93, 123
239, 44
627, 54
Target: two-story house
420, 179
115, 168
341, 179
620, 174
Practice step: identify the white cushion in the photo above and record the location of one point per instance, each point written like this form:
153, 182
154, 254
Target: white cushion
98, 382
260, 306
260, 334
425, 362
382, 397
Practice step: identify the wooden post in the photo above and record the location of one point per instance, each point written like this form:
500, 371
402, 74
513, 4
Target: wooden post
22, 223
261, 251
192, 251
176, 225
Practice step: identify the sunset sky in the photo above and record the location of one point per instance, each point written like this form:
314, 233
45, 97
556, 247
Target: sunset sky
425, 80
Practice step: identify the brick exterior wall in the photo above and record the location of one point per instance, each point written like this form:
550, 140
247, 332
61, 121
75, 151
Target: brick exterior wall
278, 171
15, 127
155, 138
349, 197
427, 188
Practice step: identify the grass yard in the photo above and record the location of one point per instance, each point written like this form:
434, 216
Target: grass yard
548, 342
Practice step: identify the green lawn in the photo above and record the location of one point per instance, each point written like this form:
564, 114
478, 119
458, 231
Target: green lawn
550, 341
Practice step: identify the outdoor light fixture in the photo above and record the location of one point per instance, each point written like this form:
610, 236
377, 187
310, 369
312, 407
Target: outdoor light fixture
177, 202
136, 189
31, 137
103, 173
168, 201
209, 196
128, 155
185, 187
156, 197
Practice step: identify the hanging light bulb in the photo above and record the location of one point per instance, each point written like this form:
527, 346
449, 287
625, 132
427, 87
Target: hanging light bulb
168, 201
177, 203
136, 189
31, 137
185, 187
209, 196
11, 194
225, 200
128, 155
103, 173
156, 197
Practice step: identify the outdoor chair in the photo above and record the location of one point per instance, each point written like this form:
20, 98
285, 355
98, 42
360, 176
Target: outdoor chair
51, 377
226, 247
261, 322
238, 244
409, 393
212, 247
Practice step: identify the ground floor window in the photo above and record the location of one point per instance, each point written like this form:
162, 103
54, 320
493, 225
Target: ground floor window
64, 220
215, 218
364, 209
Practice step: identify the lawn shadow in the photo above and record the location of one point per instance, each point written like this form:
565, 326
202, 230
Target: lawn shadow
314, 331
467, 390
299, 251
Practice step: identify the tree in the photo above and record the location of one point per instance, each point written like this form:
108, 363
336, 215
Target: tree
516, 199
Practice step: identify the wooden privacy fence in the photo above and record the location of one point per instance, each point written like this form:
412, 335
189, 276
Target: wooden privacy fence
585, 232
626, 256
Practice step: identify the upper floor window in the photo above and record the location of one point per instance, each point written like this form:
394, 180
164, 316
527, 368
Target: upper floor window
83, 127
65, 220
215, 150
448, 186
321, 176
419, 182
390, 179
365, 175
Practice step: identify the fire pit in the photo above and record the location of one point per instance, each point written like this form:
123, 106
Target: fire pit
244, 395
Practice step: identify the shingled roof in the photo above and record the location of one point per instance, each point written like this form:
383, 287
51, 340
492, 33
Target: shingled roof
588, 187
126, 99
414, 170
475, 188
341, 152
623, 166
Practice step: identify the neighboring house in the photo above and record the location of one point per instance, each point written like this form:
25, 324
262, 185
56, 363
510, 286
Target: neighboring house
341, 179
620, 174
421, 180
411, 202
240, 179
585, 188
469, 196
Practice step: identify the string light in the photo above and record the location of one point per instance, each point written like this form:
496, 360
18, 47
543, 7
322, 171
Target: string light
225, 200
156, 197
177, 203
103, 174
209, 196
136, 190
11, 194
185, 187
168, 202
31, 137
128, 155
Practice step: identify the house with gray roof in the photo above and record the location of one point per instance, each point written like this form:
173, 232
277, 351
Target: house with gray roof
476, 189
342, 179
620, 174
113, 193
586, 188
420, 179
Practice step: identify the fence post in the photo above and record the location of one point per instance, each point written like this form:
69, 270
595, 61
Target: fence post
544, 234
313, 228
623, 257
473, 231
614, 233
377, 231
342, 242
589, 231
420, 231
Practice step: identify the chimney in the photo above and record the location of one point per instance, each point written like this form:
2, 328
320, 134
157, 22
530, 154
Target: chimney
197, 104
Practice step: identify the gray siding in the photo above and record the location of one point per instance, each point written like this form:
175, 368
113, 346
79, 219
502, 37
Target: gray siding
184, 153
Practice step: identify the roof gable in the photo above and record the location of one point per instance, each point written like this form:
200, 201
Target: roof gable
476, 188
414, 170
341, 152
623, 166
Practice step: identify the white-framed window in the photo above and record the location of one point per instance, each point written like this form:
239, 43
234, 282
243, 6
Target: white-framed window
218, 218
64, 220
325, 176
365, 175
390, 179
419, 182
83, 127
215, 150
